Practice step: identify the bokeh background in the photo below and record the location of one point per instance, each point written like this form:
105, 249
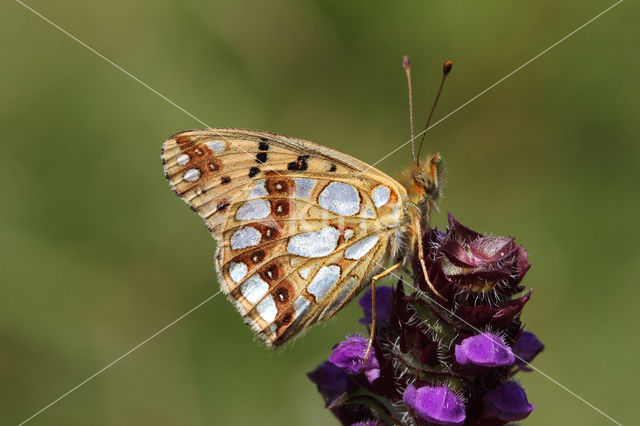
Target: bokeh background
97, 254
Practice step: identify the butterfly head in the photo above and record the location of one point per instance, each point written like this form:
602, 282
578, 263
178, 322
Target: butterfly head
423, 181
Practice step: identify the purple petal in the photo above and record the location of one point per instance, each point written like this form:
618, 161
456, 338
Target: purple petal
349, 355
485, 350
383, 305
331, 381
508, 402
372, 374
435, 404
526, 348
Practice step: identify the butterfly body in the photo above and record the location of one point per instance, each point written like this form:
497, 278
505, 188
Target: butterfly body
301, 228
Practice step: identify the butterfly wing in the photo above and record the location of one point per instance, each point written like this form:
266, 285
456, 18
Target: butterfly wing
301, 228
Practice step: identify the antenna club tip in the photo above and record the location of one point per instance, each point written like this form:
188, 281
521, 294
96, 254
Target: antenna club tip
406, 62
446, 68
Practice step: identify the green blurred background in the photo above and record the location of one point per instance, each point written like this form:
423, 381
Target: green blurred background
96, 253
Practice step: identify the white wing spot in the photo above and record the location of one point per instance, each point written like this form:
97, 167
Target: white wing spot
254, 288
267, 309
369, 213
348, 234
380, 195
340, 198
259, 190
314, 244
191, 175
326, 277
237, 271
216, 146
183, 159
304, 186
361, 248
304, 273
254, 209
245, 237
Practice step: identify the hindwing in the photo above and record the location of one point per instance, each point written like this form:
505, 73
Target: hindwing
300, 228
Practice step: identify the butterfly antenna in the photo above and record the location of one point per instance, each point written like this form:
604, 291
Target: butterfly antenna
406, 64
446, 68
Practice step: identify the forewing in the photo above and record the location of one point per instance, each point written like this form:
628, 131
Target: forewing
301, 228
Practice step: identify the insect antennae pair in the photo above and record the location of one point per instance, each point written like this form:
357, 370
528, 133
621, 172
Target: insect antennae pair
406, 64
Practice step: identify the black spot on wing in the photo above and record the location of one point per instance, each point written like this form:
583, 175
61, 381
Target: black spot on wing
261, 157
253, 171
300, 164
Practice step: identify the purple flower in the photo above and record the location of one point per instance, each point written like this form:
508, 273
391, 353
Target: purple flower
383, 306
435, 404
349, 355
440, 360
526, 348
507, 402
485, 350
465, 263
332, 381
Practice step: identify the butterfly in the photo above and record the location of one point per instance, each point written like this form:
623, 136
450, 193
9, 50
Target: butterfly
301, 228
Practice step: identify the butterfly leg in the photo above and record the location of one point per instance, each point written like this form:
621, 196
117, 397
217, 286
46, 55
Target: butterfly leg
373, 305
422, 262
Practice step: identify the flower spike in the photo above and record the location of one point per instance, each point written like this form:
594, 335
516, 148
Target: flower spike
434, 360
